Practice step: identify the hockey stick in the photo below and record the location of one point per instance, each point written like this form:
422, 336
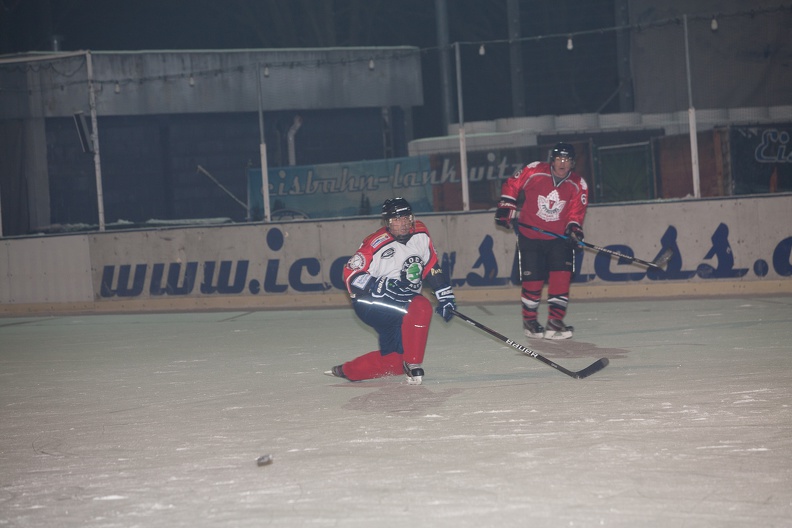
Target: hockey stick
657, 263
580, 374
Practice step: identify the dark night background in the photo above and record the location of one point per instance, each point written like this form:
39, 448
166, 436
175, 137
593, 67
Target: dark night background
557, 81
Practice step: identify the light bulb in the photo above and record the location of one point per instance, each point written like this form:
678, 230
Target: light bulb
714, 24
191, 81
482, 51
117, 88
371, 64
570, 45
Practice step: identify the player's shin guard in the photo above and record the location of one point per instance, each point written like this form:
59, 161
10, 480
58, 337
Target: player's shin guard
415, 329
558, 294
530, 297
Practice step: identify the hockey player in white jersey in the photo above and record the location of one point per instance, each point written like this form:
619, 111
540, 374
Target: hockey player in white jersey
384, 279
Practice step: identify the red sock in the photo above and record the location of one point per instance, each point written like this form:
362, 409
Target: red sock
415, 329
558, 294
373, 365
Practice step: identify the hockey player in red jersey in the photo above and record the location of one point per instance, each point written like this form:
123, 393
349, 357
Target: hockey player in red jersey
556, 199
384, 279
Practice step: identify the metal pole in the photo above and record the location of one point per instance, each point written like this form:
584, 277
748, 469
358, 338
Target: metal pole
626, 99
462, 144
441, 13
263, 151
694, 160
515, 58
95, 142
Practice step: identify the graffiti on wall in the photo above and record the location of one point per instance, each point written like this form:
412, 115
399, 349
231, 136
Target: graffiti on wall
761, 159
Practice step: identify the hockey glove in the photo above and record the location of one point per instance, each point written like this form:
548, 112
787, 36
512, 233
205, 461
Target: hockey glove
445, 302
574, 235
507, 211
392, 289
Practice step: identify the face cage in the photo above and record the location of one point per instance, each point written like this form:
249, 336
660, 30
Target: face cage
401, 237
571, 160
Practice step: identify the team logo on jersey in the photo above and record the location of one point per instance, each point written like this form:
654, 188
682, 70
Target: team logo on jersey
412, 270
388, 253
356, 262
550, 206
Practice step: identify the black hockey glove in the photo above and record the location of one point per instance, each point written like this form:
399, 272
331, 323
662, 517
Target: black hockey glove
445, 302
507, 211
392, 289
574, 235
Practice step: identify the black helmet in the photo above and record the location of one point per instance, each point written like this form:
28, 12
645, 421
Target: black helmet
398, 208
394, 208
562, 150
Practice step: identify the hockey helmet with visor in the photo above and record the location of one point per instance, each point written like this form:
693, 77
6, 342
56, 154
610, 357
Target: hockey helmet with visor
399, 220
562, 150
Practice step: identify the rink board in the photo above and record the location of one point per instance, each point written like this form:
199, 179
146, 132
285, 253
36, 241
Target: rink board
723, 246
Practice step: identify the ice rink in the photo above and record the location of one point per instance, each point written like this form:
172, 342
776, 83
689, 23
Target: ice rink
156, 420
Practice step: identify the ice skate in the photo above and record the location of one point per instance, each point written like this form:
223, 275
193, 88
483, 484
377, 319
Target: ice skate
414, 373
556, 329
336, 371
533, 329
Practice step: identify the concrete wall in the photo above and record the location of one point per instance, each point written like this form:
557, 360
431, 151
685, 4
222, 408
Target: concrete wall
182, 82
521, 132
725, 246
742, 63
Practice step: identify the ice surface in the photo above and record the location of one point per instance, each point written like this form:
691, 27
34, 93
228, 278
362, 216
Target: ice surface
157, 420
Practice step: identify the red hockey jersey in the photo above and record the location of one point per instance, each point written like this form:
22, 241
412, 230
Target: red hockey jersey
547, 205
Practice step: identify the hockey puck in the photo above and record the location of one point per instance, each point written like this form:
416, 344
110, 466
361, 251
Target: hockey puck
264, 460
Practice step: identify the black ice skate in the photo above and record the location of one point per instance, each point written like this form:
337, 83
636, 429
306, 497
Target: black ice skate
336, 371
414, 373
556, 329
533, 329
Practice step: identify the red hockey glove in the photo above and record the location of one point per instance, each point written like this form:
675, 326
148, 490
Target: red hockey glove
507, 211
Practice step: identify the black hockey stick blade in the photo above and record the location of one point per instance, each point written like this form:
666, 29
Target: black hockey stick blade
580, 374
591, 369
